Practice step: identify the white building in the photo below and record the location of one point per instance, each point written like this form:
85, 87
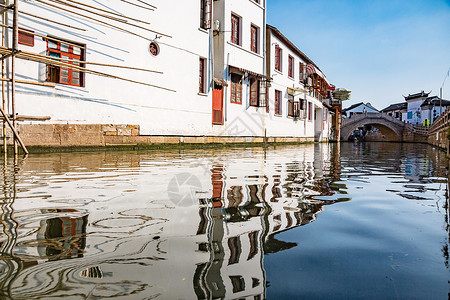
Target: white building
239, 57
194, 69
86, 98
359, 108
296, 93
423, 108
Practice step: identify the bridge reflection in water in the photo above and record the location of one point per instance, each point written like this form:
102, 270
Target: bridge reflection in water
170, 225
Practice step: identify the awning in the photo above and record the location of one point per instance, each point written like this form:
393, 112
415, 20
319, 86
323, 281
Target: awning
311, 69
242, 70
291, 91
220, 82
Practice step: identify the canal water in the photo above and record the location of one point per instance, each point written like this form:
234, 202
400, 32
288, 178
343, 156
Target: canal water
347, 221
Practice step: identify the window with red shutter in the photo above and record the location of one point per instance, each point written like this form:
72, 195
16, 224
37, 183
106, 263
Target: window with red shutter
278, 103
236, 88
202, 76
205, 14
309, 111
302, 72
68, 53
26, 37
254, 38
278, 58
291, 106
291, 67
235, 29
254, 90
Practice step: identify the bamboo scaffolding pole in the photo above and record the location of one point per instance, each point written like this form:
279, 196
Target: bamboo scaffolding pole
89, 11
3, 85
144, 7
85, 62
102, 22
15, 47
28, 118
109, 12
102, 15
28, 82
22, 55
45, 37
13, 128
48, 20
5, 8
152, 6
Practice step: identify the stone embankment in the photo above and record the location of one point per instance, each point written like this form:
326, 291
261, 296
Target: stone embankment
84, 136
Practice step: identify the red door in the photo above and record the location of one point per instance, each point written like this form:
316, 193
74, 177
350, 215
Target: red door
217, 106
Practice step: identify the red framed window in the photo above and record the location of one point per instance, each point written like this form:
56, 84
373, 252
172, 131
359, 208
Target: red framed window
291, 67
291, 111
278, 57
68, 53
26, 37
302, 72
236, 88
205, 14
254, 38
254, 92
235, 29
278, 102
201, 79
309, 111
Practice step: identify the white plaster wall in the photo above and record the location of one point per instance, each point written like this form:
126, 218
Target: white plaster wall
283, 125
106, 100
415, 109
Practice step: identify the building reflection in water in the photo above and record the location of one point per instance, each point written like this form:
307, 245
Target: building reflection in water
139, 245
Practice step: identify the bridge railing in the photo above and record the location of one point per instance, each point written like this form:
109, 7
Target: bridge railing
410, 127
441, 122
358, 117
417, 129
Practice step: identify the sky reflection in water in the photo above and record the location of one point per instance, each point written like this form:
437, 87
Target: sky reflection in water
227, 224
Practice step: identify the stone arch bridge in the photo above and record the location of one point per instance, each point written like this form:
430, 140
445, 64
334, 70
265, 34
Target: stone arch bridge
393, 130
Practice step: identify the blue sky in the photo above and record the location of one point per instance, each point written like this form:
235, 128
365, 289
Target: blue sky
380, 50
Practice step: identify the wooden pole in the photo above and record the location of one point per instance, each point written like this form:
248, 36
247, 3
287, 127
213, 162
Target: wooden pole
82, 61
15, 46
100, 21
69, 66
98, 14
109, 12
3, 79
48, 20
131, 3
152, 6
96, 64
13, 128
5, 146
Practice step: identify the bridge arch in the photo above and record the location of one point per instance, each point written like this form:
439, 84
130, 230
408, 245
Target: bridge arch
391, 127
